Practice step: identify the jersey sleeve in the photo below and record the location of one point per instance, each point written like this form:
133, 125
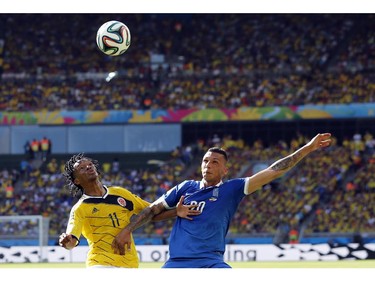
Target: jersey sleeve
239, 185
139, 204
246, 186
75, 223
172, 196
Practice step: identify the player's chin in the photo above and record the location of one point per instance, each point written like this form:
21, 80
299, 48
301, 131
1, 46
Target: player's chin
207, 176
92, 176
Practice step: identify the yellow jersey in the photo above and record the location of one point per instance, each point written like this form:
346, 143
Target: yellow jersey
100, 219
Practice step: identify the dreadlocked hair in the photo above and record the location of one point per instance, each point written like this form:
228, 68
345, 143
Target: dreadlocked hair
76, 190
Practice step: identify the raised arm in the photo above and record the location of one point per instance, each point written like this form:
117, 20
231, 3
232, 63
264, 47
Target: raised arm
280, 167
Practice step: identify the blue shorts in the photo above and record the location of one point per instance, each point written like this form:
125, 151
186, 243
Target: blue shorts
195, 263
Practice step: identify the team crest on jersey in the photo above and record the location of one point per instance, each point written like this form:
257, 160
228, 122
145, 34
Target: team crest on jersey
121, 201
215, 195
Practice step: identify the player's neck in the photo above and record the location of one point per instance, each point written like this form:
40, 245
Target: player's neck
96, 189
210, 183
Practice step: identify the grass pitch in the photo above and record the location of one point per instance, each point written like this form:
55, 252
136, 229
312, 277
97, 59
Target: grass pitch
280, 271
258, 264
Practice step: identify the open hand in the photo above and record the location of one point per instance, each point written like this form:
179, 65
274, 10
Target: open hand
185, 211
320, 141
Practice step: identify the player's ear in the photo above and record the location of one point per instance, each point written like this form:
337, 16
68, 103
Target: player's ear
226, 170
76, 181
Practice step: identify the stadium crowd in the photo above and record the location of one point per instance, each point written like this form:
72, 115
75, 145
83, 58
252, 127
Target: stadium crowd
208, 61
302, 197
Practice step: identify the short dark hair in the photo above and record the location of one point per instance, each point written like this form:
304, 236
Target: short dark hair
76, 190
219, 150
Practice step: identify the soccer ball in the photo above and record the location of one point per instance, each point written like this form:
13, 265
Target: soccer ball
113, 38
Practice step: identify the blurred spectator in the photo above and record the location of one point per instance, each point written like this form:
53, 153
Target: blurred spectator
45, 148
106, 167
293, 235
28, 151
35, 148
9, 190
25, 168
115, 166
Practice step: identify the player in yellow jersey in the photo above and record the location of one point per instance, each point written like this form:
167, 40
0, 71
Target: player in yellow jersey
101, 213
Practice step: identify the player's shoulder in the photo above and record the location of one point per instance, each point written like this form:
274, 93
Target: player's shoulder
115, 189
236, 181
78, 204
186, 184
190, 183
121, 191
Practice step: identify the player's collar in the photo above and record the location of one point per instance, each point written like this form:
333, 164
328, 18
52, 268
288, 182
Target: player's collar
201, 185
85, 196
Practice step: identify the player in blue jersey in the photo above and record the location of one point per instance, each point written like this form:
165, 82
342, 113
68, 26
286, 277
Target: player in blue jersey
200, 242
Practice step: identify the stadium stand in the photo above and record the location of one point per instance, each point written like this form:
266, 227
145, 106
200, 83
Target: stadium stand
268, 58
210, 61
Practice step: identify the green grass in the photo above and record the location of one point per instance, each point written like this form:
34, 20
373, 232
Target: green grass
279, 264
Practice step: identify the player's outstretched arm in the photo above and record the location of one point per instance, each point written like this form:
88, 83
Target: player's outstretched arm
280, 167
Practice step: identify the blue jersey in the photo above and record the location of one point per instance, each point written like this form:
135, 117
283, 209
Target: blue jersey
204, 236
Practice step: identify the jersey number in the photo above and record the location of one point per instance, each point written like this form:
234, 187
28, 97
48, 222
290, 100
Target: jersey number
114, 219
200, 206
